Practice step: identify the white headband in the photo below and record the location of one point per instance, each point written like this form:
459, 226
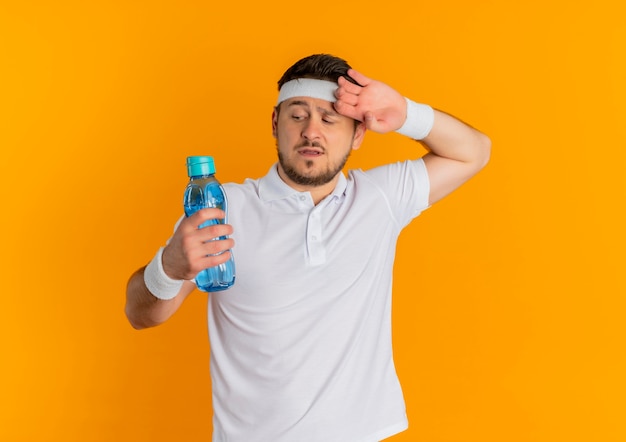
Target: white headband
308, 87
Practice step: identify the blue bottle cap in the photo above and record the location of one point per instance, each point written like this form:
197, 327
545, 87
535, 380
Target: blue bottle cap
200, 165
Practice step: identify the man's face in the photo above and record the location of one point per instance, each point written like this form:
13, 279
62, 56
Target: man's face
313, 141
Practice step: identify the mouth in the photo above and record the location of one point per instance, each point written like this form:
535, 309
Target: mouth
310, 152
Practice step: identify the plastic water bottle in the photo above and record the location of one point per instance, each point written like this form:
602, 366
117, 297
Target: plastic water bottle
203, 191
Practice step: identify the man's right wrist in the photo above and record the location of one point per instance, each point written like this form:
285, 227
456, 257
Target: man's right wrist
158, 282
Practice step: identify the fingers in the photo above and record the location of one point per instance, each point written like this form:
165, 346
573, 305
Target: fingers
203, 215
347, 95
199, 242
347, 87
213, 260
349, 100
201, 252
209, 253
202, 219
359, 77
343, 94
204, 225
349, 110
214, 248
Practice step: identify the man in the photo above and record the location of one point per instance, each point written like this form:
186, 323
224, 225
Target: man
301, 344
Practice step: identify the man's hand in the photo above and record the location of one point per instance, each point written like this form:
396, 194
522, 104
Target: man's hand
192, 249
379, 106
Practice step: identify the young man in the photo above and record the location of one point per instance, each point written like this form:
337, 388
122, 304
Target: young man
301, 344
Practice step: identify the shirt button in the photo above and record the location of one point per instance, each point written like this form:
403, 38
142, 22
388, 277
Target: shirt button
302, 197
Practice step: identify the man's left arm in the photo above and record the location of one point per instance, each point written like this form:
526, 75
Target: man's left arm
457, 151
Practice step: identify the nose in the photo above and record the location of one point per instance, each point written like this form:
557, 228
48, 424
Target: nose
311, 130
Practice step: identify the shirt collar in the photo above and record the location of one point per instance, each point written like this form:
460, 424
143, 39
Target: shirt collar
272, 187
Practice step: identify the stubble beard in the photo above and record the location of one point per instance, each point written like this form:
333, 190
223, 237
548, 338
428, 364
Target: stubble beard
319, 179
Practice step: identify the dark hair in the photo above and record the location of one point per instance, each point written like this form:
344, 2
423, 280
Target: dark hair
318, 66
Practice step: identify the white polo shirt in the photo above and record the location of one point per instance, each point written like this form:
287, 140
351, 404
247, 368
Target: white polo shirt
301, 344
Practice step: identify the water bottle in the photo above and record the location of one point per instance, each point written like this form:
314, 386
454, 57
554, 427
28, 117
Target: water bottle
203, 191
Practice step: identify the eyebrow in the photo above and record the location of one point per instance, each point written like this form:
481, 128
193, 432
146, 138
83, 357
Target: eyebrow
320, 109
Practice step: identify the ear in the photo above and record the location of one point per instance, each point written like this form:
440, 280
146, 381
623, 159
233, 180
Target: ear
274, 122
359, 135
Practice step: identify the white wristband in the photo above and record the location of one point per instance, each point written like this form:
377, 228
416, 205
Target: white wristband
419, 120
158, 283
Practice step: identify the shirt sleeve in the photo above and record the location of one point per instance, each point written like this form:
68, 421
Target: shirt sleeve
406, 186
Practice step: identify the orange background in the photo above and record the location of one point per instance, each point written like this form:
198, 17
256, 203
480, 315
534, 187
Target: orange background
509, 294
